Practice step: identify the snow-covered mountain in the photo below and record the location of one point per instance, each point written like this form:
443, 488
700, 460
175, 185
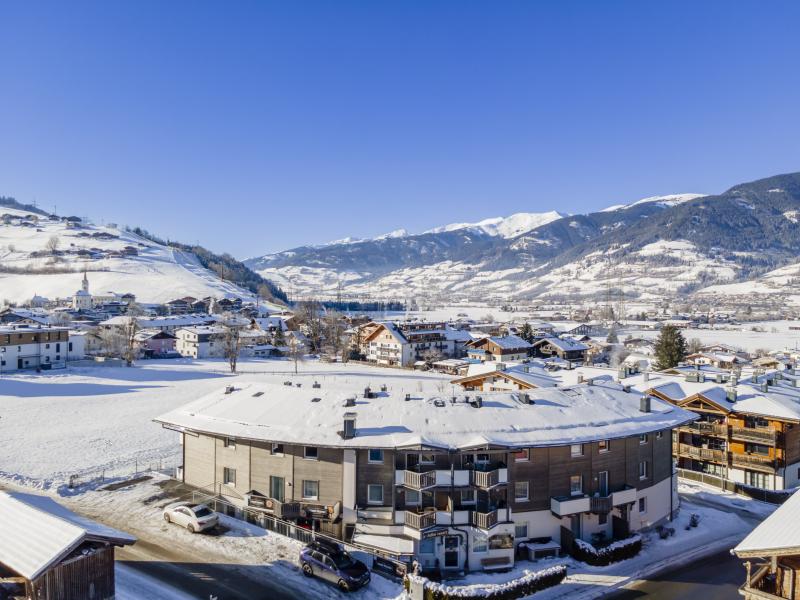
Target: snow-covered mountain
42, 255
653, 248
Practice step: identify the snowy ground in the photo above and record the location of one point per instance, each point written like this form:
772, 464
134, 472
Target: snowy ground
100, 418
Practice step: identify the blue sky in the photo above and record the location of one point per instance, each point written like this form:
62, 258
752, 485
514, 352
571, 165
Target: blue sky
254, 127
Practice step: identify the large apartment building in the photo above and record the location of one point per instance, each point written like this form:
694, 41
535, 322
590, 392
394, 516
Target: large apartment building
456, 482
403, 344
749, 428
33, 347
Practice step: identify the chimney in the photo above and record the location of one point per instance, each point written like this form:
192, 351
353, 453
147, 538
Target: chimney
580, 377
367, 392
408, 397
229, 389
590, 381
764, 386
795, 382
734, 380
349, 426
646, 376
350, 401
730, 394
644, 404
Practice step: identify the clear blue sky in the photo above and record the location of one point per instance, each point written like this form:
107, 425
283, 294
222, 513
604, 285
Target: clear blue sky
254, 127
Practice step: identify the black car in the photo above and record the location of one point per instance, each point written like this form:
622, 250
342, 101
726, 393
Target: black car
330, 561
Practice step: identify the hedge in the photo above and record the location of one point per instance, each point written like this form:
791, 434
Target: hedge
615, 552
529, 583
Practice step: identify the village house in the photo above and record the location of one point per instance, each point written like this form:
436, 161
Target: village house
510, 348
68, 557
155, 343
29, 347
563, 348
498, 377
204, 341
716, 359
169, 323
403, 344
775, 544
585, 461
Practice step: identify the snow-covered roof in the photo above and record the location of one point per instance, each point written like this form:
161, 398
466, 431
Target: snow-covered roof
168, 321
558, 416
778, 534
37, 532
566, 344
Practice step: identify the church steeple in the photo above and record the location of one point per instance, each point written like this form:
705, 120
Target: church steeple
85, 284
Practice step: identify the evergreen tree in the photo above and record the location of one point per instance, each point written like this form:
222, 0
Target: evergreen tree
612, 336
526, 333
670, 348
278, 339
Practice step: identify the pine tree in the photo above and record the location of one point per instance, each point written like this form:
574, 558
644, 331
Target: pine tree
279, 339
526, 333
612, 336
670, 348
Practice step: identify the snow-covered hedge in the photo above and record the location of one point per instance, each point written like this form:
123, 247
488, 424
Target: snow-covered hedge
614, 552
530, 583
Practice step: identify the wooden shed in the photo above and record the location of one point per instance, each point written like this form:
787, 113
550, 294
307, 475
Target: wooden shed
47, 552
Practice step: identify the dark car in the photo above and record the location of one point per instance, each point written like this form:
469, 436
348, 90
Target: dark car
330, 561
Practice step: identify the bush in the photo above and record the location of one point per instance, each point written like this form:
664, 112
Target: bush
614, 552
529, 583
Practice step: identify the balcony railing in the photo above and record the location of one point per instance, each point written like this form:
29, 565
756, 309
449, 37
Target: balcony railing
601, 505
707, 428
420, 520
754, 461
419, 481
702, 453
484, 520
762, 436
489, 479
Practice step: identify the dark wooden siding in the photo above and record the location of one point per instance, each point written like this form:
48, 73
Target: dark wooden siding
81, 578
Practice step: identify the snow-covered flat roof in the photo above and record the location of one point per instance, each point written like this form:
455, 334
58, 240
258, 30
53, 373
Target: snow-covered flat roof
275, 412
777, 534
37, 532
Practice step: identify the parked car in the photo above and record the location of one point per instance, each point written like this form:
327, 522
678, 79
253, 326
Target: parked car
195, 517
330, 561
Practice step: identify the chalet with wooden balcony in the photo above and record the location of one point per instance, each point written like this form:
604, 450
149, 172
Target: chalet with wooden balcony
748, 431
497, 377
772, 556
507, 348
454, 481
403, 344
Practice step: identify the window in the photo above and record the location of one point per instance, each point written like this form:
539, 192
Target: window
375, 493
467, 496
520, 530
310, 489
643, 470
482, 459
602, 519
756, 449
603, 446
427, 546
412, 497
311, 452
521, 491
229, 476
642, 505
522, 455
276, 487
501, 542
480, 543
643, 438
276, 450
427, 459
576, 449
376, 455
659, 435
230, 442
576, 485
755, 479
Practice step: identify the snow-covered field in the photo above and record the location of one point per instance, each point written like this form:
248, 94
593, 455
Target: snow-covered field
157, 274
82, 420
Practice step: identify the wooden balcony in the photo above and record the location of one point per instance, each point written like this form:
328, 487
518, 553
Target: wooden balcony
719, 456
706, 428
757, 462
419, 481
484, 520
766, 435
420, 520
601, 505
489, 479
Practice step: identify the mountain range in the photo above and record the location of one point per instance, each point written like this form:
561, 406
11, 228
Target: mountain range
659, 247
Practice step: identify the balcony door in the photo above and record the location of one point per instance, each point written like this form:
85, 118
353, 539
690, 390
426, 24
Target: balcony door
276, 487
603, 483
451, 543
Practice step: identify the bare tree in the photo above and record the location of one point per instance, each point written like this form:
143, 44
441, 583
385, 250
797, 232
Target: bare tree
295, 351
694, 345
130, 351
52, 244
309, 315
231, 344
431, 355
111, 342
334, 335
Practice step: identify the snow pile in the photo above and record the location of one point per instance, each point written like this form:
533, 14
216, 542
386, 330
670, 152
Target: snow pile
530, 583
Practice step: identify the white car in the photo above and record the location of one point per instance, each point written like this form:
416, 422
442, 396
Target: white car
195, 517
